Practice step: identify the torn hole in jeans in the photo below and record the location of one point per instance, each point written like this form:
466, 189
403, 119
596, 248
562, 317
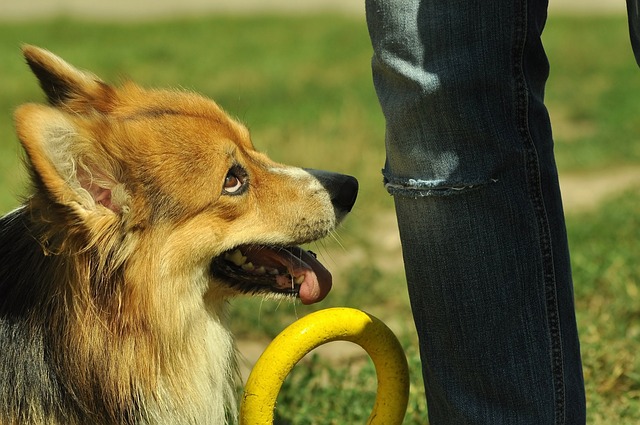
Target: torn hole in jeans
417, 188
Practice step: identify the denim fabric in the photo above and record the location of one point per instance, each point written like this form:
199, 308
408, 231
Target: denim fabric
633, 13
470, 164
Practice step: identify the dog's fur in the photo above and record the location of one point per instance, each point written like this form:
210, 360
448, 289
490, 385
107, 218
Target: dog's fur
113, 280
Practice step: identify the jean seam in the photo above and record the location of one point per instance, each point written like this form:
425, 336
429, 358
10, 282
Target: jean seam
535, 190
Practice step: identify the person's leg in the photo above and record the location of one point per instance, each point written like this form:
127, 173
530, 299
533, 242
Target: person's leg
470, 165
633, 14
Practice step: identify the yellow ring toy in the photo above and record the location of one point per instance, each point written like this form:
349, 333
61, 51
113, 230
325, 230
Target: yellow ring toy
333, 324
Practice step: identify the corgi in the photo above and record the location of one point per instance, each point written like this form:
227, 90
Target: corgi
149, 210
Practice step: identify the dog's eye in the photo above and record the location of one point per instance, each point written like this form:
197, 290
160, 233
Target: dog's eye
234, 182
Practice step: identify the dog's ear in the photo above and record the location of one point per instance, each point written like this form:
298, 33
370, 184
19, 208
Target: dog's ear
65, 86
66, 162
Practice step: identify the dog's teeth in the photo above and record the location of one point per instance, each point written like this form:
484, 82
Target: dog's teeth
260, 270
236, 257
299, 279
247, 266
272, 271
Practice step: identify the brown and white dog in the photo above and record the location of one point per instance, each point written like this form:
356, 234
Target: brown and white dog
150, 209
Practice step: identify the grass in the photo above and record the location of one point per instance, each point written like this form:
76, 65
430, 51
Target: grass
592, 93
605, 248
303, 85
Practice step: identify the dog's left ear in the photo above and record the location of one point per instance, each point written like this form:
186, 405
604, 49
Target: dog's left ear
65, 86
66, 162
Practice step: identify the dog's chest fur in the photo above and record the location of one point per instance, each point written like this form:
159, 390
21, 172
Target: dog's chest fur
73, 367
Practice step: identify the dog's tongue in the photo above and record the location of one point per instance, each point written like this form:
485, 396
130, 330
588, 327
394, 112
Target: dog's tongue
315, 280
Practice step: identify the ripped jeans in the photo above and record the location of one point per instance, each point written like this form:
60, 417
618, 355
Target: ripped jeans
471, 167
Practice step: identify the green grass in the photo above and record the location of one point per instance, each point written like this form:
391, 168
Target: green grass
303, 86
607, 284
592, 92
320, 393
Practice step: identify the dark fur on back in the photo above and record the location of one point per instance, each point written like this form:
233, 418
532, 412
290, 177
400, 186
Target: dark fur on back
25, 311
35, 318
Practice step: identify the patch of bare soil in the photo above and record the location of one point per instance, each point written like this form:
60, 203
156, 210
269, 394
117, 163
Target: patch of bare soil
585, 192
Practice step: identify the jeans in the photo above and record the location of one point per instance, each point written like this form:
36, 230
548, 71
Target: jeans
633, 13
471, 167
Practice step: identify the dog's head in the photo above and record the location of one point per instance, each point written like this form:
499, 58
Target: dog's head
166, 184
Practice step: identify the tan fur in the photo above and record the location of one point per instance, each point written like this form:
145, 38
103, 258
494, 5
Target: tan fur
129, 210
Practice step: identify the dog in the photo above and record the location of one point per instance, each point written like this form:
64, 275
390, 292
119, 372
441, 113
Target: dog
149, 210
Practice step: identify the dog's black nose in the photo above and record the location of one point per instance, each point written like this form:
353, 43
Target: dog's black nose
342, 189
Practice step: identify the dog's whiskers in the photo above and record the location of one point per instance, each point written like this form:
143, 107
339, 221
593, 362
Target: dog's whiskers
336, 237
295, 307
262, 300
325, 252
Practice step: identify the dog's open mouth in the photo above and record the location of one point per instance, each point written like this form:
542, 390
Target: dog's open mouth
268, 269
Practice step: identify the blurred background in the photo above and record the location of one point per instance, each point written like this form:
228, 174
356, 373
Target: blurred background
298, 74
